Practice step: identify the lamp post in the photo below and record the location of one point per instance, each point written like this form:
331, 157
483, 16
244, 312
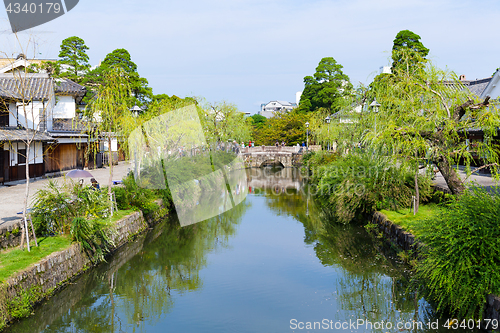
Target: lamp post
375, 105
328, 119
136, 110
307, 136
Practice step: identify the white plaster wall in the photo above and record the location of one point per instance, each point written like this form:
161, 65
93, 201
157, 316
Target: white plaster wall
29, 115
114, 145
13, 154
65, 107
35, 156
12, 115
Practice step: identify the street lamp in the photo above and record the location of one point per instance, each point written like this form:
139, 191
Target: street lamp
136, 110
375, 105
328, 119
307, 136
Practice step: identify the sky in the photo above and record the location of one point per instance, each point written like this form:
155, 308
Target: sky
249, 52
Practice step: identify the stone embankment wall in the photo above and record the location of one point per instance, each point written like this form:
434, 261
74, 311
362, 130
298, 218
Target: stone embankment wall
56, 270
408, 241
10, 236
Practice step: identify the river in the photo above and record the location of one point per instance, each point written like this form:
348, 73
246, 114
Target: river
275, 263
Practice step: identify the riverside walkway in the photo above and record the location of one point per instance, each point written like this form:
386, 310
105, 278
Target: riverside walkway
12, 197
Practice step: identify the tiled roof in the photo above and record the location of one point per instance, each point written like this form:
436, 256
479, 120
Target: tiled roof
27, 87
68, 87
477, 87
12, 134
38, 86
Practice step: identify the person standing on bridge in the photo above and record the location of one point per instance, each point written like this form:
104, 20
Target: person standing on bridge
283, 143
277, 143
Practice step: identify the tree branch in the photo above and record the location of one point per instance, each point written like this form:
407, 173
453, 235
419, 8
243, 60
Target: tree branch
437, 94
459, 111
481, 167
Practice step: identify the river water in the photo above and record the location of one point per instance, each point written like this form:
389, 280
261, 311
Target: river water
275, 263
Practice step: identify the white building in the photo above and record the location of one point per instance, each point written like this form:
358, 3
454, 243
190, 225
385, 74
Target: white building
38, 108
270, 109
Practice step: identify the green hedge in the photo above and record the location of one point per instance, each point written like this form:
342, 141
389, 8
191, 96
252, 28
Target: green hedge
461, 262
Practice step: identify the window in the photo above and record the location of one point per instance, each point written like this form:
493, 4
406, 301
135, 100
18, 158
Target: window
4, 116
21, 156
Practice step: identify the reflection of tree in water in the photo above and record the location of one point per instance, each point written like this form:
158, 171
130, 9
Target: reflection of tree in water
372, 286
143, 289
171, 265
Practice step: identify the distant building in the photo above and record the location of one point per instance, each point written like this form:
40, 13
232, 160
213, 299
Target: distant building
385, 70
298, 95
270, 109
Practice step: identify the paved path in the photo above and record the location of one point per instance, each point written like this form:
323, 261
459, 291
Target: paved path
11, 197
483, 180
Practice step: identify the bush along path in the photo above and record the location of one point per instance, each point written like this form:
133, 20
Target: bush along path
76, 233
462, 248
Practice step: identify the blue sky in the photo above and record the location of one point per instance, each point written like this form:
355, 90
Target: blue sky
252, 51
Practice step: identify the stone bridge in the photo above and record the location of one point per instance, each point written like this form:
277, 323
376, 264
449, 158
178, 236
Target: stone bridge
256, 157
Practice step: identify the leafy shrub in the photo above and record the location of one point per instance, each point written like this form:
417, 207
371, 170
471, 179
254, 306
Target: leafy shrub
440, 197
362, 182
461, 260
134, 196
51, 210
55, 206
89, 202
94, 235
314, 159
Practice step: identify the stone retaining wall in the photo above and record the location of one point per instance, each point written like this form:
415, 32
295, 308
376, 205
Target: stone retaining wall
56, 270
10, 235
407, 241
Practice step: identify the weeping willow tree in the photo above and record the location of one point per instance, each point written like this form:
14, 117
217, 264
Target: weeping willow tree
426, 113
109, 111
418, 115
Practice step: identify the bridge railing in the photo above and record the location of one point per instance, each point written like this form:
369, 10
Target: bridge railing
270, 149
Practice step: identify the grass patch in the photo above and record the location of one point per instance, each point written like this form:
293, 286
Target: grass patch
118, 215
15, 260
405, 217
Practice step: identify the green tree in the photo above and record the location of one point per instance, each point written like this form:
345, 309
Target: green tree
73, 53
409, 42
426, 113
326, 88
258, 120
108, 111
223, 121
284, 126
139, 94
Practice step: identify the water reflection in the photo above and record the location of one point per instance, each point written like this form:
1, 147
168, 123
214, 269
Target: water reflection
252, 269
138, 283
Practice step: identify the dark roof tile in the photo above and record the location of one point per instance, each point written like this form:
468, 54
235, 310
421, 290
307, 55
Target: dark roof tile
12, 134
27, 87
